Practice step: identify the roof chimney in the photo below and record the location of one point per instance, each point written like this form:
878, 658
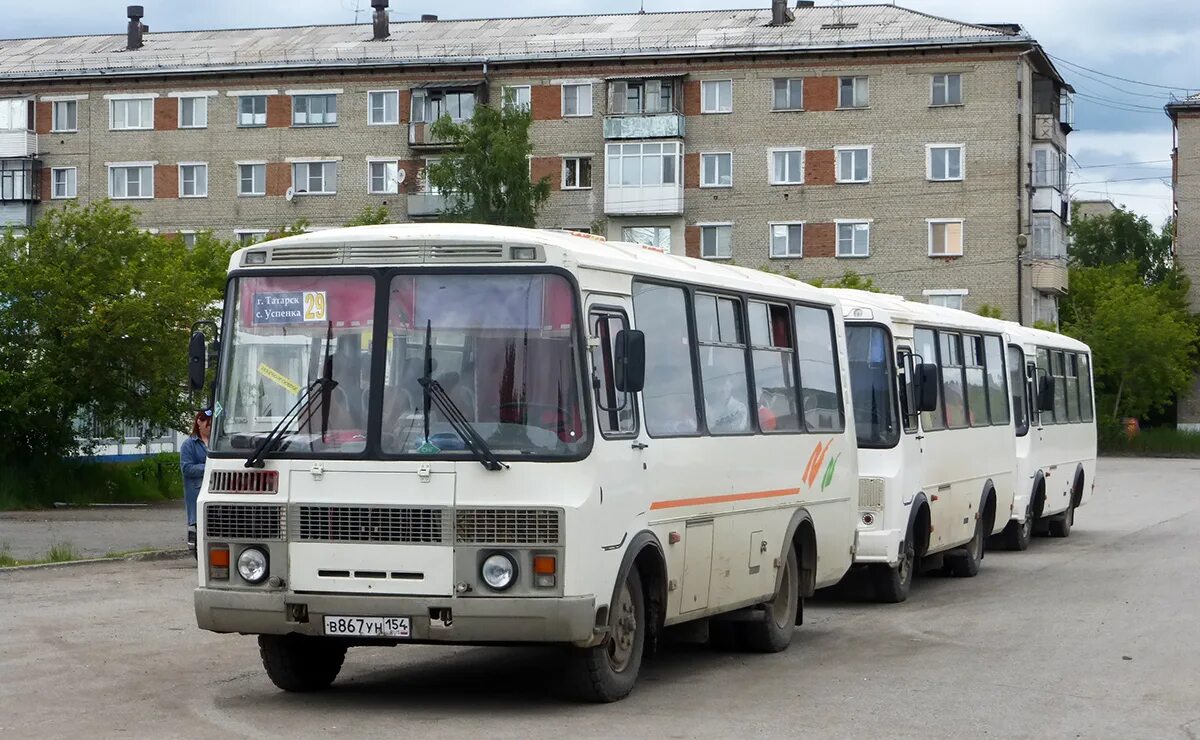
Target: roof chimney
133, 37
780, 15
382, 31
428, 17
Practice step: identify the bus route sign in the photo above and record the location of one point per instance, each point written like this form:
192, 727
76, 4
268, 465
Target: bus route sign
295, 307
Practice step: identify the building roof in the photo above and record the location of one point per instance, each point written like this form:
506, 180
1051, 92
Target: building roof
1190, 103
445, 42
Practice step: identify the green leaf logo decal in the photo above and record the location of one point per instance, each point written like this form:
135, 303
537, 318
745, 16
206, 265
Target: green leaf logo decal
832, 466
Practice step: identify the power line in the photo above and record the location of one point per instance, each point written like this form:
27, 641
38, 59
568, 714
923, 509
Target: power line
1119, 164
1122, 79
1115, 105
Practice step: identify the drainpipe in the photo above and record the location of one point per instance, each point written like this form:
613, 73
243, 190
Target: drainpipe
1022, 195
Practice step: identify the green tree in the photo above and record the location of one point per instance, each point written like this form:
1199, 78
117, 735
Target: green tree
94, 321
486, 173
851, 280
990, 311
1143, 342
296, 228
369, 216
1119, 237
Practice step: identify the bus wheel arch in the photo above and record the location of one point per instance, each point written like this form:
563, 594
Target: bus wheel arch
987, 508
645, 553
918, 523
1038, 502
801, 537
1077, 486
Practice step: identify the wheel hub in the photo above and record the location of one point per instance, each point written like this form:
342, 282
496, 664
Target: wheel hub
620, 645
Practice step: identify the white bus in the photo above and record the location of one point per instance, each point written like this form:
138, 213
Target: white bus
1055, 427
470, 434
935, 436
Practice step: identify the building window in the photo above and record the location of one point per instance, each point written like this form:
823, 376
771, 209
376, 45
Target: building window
716, 96
131, 181
945, 237
716, 170
650, 236
854, 239
193, 180
577, 173
788, 94
577, 100
853, 92
383, 108
643, 163
516, 97
189, 238
430, 105
252, 110
252, 179
1048, 239
193, 112
63, 182
1049, 168
854, 164
634, 97
64, 116
946, 298
787, 166
787, 240
246, 237
131, 114
315, 178
16, 114
945, 162
314, 110
384, 177
947, 89
716, 241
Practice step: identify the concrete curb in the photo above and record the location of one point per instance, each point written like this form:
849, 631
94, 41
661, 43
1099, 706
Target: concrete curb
137, 557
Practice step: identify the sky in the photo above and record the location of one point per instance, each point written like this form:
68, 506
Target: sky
1120, 149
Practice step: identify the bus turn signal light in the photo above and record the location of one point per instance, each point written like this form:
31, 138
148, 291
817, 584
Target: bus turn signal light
544, 568
218, 562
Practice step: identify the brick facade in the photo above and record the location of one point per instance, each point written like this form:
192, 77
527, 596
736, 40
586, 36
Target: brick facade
166, 114
1186, 161
819, 167
820, 93
166, 181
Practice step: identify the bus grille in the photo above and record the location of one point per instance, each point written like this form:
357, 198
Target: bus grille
508, 527
870, 493
414, 526
244, 481
244, 522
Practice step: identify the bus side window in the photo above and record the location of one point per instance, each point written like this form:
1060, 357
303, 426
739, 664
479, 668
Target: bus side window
1072, 386
1016, 365
669, 394
773, 358
908, 394
977, 395
614, 409
953, 397
1060, 387
820, 382
996, 380
1043, 370
1085, 387
927, 351
722, 344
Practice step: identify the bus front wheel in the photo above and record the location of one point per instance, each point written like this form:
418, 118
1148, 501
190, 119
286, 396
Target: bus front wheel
607, 672
1016, 534
773, 633
1060, 526
965, 562
300, 663
892, 584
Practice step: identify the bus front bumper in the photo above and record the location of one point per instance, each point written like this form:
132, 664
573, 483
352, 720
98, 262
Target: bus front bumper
472, 620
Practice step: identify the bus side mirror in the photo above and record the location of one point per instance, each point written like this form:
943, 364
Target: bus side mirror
927, 387
1046, 393
197, 361
629, 360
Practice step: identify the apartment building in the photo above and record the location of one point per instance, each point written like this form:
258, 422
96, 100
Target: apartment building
926, 153
1185, 117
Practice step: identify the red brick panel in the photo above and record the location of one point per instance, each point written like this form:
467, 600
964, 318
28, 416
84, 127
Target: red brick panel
820, 93
42, 117
166, 114
550, 167
279, 176
820, 240
405, 105
691, 241
691, 98
546, 102
166, 180
819, 167
48, 181
279, 111
691, 170
411, 168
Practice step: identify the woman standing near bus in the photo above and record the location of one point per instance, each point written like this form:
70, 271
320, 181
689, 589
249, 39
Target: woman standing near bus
193, 453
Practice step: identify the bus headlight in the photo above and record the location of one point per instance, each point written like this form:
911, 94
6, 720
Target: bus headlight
252, 565
498, 571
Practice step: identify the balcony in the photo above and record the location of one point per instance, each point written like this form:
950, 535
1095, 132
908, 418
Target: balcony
1050, 200
18, 143
645, 126
420, 136
644, 200
426, 205
1049, 275
20, 180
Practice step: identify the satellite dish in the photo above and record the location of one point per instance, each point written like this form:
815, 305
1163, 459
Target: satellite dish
400, 175
291, 193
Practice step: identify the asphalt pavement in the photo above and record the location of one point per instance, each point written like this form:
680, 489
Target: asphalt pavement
93, 531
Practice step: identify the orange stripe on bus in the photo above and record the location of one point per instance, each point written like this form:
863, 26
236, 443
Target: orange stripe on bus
701, 500
812, 461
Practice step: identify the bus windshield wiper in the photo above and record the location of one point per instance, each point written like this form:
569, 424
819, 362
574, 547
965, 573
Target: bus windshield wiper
267, 443
434, 392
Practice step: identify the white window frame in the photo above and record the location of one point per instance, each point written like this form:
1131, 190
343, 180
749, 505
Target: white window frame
793, 106
866, 88
579, 98
185, 233
933, 78
239, 166
716, 225
239, 233
308, 163
180, 167
394, 187
371, 108
74, 182
771, 240
123, 100
962, 162
837, 237
591, 171
771, 165
839, 175
959, 293
676, 156
54, 122
326, 119
709, 106
657, 229
253, 116
962, 243
703, 180
527, 106
202, 107
111, 166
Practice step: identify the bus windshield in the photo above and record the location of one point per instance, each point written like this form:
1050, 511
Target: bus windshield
503, 347
872, 384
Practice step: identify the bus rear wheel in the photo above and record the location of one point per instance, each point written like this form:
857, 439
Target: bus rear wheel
1060, 526
892, 584
299, 663
607, 672
965, 562
773, 633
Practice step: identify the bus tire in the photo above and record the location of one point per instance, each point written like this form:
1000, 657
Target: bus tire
773, 633
892, 584
965, 564
299, 663
607, 672
1017, 534
1060, 526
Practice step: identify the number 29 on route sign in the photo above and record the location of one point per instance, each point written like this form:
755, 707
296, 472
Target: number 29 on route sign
314, 305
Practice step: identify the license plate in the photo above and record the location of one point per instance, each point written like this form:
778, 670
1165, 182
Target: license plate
367, 626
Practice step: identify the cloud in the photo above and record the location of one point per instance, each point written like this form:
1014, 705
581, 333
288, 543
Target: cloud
1136, 174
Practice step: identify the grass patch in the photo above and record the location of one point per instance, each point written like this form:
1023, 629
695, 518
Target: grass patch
6, 558
1153, 442
36, 486
62, 552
